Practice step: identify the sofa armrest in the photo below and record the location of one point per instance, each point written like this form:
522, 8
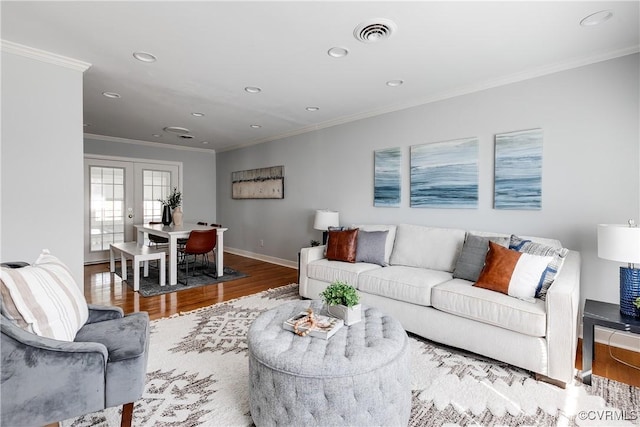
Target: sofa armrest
308, 255
99, 313
562, 305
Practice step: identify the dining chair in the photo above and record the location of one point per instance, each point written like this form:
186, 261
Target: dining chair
200, 242
157, 240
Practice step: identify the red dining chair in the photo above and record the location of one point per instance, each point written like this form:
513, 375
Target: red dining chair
200, 242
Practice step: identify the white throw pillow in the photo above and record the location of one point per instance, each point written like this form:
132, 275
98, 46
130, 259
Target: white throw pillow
44, 299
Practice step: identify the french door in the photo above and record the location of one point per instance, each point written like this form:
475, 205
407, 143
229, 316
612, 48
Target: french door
119, 194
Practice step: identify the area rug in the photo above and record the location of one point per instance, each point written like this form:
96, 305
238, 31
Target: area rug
149, 286
198, 376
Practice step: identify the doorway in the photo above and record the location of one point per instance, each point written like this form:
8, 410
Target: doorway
119, 193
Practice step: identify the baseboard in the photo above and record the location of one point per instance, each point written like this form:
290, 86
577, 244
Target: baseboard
262, 257
620, 339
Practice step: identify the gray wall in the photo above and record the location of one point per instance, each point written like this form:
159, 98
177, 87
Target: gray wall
590, 119
198, 167
41, 158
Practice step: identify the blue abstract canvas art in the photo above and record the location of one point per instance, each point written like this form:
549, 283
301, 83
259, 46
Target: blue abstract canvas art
518, 170
387, 177
445, 174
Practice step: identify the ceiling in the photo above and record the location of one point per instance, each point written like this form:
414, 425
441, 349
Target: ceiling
208, 52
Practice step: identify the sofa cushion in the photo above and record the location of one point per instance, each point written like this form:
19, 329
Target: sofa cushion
44, 299
341, 245
558, 253
391, 236
511, 272
474, 251
461, 298
426, 247
370, 247
402, 283
330, 271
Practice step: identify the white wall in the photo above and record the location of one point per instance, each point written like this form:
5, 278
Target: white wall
41, 159
198, 170
590, 119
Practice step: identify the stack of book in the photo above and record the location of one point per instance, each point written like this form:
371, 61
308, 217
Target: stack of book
324, 328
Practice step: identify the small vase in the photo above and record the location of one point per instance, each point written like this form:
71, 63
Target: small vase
166, 215
177, 216
350, 315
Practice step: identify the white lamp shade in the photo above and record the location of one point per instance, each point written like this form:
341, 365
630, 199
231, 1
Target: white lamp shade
325, 219
619, 242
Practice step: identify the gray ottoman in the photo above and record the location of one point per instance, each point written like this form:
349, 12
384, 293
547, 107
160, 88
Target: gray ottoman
358, 377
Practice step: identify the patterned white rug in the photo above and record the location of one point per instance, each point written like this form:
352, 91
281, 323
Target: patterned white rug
198, 376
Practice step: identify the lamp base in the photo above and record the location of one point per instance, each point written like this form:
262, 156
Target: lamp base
629, 291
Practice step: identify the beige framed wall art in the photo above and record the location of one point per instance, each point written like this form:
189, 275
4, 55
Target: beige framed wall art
263, 183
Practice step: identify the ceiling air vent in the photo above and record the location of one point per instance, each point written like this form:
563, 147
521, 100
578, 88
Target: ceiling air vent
374, 30
176, 129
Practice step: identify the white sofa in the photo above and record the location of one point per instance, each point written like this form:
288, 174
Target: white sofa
418, 288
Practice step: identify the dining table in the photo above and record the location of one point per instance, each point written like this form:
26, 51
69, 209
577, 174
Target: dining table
173, 233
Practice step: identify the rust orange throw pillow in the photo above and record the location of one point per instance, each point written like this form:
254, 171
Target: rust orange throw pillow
511, 272
341, 245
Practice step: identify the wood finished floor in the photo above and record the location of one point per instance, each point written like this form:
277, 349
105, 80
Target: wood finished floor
104, 288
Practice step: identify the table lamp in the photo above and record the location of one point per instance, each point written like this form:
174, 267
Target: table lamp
619, 242
326, 218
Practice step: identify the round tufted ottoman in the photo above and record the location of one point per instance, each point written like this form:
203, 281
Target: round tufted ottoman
358, 377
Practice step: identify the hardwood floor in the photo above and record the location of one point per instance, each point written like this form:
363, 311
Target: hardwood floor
104, 288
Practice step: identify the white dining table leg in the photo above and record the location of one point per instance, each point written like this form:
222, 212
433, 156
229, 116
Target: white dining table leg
220, 253
173, 260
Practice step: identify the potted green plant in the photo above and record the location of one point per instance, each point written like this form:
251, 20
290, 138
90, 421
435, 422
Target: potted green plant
172, 203
342, 302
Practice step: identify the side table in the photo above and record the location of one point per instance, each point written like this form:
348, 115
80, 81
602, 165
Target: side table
598, 313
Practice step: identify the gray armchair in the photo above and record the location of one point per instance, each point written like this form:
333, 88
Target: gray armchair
45, 380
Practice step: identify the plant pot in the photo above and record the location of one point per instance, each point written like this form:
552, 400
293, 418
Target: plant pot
350, 315
166, 215
177, 216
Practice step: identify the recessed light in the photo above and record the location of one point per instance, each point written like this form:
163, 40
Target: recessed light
144, 56
395, 83
197, 114
111, 94
312, 108
338, 52
176, 129
86, 125
252, 89
255, 126
185, 136
596, 18
205, 142
157, 135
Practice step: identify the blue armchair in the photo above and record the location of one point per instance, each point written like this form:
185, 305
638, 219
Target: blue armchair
45, 380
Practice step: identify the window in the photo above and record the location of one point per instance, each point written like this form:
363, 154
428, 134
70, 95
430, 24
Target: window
156, 185
107, 207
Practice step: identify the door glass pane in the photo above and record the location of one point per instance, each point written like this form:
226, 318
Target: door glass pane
157, 185
106, 206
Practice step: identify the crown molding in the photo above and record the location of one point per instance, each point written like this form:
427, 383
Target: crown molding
146, 143
43, 56
465, 90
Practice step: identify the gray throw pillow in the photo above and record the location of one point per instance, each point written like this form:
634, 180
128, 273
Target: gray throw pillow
474, 251
371, 245
549, 275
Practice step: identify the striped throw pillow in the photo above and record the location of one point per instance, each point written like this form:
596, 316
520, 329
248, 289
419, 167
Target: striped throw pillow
511, 272
558, 256
44, 299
